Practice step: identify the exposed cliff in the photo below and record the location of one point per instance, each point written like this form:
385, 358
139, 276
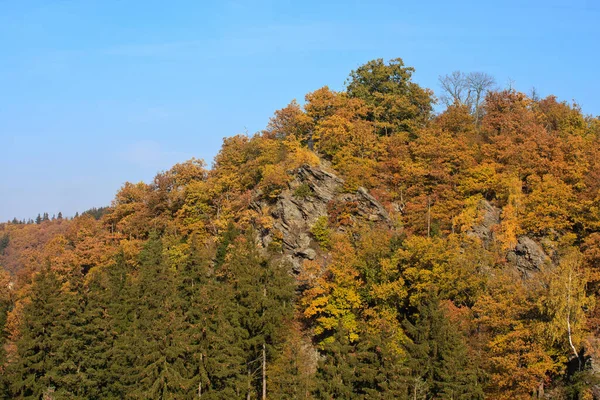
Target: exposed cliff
490, 219
309, 196
528, 255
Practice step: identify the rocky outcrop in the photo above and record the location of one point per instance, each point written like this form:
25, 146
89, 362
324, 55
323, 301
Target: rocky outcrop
490, 218
306, 199
528, 256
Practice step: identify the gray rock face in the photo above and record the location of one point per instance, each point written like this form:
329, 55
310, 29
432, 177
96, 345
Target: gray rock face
528, 256
491, 218
294, 215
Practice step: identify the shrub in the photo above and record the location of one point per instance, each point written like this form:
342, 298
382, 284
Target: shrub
303, 191
320, 230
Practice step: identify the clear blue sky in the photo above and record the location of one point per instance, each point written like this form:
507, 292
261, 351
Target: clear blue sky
96, 93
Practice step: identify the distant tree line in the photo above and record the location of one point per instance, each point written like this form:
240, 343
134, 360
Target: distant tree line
96, 212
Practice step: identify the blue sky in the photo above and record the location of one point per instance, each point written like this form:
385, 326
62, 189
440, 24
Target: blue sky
96, 93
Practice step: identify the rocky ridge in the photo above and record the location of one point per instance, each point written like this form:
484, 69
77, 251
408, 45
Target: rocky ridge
314, 189
308, 197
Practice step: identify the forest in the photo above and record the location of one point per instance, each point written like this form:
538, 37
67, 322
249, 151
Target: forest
379, 242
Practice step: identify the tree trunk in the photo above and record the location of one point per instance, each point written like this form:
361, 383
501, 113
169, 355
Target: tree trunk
428, 216
569, 320
264, 371
249, 384
264, 359
415, 391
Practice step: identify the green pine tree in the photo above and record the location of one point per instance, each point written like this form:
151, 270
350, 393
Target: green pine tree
99, 332
367, 368
337, 373
438, 356
256, 297
160, 366
35, 370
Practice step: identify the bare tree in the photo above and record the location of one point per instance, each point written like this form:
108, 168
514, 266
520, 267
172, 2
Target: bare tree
467, 90
534, 94
456, 89
479, 84
510, 84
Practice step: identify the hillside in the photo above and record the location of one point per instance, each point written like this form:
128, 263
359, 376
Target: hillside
360, 246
